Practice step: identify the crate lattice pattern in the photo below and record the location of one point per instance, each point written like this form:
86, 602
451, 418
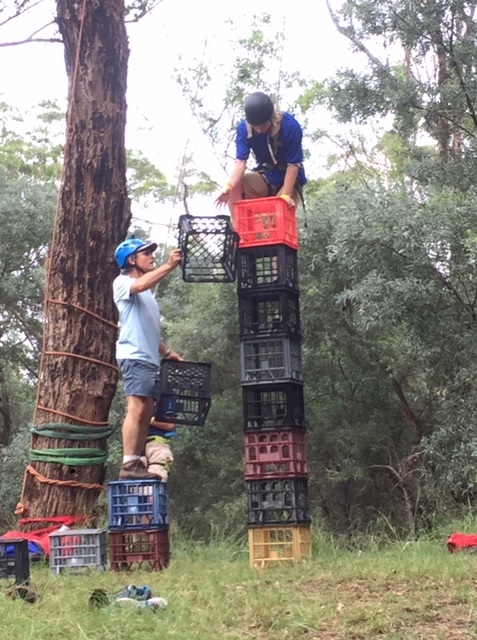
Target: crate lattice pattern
265, 268
273, 406
209, 248
137, 504
78, 549
275, 454
278, 501
184, 392
265, 221
139, 549
271, 359
275, 545
269, 312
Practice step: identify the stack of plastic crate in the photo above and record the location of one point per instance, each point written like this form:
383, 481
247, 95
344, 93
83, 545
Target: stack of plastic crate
138, 524
276, 471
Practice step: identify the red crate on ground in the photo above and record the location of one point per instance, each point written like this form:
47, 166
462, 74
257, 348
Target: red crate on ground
264, 221
275, 454
134, 549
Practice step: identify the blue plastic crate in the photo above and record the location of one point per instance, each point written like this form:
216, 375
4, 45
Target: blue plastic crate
137, 504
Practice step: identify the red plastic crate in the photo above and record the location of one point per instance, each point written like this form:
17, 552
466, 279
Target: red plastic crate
275, 454
137, 548
264, 221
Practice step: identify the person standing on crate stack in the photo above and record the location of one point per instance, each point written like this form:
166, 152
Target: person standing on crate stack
139, 344
275, 138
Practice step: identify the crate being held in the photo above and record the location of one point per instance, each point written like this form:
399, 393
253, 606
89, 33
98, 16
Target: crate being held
209, 248
184, 392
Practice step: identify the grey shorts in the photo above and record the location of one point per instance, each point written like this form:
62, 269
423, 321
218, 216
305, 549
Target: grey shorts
139, 378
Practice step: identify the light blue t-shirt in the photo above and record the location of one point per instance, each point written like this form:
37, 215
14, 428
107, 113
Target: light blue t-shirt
139, 323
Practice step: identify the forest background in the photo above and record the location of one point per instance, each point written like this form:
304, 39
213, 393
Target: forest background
387, 272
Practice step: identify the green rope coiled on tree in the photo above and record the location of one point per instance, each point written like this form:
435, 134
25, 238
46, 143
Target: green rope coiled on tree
64, 431
72, 457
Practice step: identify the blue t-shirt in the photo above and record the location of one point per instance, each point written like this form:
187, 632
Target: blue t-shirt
156, 431
139, 323
287, 149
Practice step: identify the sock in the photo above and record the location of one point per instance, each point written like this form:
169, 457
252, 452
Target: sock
130, 458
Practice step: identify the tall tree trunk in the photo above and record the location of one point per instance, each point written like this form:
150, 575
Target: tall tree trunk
78, 376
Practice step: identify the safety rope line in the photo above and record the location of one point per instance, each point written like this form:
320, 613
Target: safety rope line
64, 483
80, 308
21, 508
68, 415
80, 357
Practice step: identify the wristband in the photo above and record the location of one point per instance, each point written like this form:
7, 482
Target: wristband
285, 196
168, 353
228, 187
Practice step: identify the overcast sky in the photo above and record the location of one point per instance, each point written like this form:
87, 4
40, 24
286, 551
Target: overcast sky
159, 119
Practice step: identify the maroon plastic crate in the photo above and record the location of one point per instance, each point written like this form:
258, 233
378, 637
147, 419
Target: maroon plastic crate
135, 549
275, 454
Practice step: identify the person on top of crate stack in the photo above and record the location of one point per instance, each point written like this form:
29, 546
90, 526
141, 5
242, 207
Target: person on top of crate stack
139, 344
276, 141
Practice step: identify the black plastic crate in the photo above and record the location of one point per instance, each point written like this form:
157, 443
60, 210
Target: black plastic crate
278, 501
266, 267
273, 406
209, 248
269, 313
271, 359
184, 392
14, 560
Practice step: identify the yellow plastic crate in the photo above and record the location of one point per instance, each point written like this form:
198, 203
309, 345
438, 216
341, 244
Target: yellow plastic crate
269, 545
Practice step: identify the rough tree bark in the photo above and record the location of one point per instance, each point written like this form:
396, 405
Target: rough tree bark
93, 218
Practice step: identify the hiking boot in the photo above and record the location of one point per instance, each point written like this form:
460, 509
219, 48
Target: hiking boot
135, 470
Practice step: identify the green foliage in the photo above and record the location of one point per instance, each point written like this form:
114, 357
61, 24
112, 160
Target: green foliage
144, 179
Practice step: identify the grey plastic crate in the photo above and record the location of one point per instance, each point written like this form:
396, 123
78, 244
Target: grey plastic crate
78, 549
271, 359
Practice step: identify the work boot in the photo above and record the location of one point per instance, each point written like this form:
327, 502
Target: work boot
135, 470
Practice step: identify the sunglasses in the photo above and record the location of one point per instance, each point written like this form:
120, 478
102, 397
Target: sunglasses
147, 252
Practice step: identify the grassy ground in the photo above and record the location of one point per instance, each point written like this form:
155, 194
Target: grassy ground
402, 592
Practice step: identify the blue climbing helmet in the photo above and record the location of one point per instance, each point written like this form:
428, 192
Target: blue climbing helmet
129, 247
